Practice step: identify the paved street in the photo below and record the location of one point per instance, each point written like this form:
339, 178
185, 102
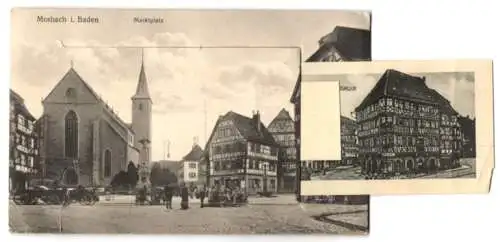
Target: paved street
467, 170
249, 219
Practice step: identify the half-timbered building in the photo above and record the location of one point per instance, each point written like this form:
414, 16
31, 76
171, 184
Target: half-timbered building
242, 154
343, 44
406, 127
283, 132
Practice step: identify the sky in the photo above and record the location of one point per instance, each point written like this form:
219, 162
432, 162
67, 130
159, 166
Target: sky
184, 83
457, 87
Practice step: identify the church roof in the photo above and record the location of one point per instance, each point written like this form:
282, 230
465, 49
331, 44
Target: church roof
73, 74
195, 154
142, 89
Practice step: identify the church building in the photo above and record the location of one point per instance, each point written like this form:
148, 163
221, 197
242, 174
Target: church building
86, 142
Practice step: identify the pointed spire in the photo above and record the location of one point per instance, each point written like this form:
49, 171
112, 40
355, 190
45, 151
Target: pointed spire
142, 90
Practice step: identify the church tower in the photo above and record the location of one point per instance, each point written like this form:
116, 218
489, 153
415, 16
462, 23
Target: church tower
142, 115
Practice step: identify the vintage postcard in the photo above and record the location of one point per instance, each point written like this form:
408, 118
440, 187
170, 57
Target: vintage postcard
166, 122
404, 127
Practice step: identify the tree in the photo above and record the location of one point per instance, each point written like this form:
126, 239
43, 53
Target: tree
168, 177
156, 175
132, 174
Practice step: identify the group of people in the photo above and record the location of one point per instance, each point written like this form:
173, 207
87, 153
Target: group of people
185, 193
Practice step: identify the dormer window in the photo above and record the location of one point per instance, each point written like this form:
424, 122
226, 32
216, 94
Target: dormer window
70, 92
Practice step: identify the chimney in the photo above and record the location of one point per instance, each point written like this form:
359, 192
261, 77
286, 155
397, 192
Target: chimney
256, 118
195, 141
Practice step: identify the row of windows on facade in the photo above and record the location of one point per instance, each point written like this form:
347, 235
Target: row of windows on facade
239, 164
402, 141
398, 106
241, 147
285, 139
407, 122
25, 141
22, 159
399, 130
192, 174
25, 124
398, 140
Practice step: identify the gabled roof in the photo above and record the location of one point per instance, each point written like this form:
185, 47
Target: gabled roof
72, 74
347, 120
247, 128
19, 105
142, 89
195, 154
351, 44
397, 84
282, 115
444, 103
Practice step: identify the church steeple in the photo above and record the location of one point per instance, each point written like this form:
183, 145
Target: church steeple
142, 107
142, 90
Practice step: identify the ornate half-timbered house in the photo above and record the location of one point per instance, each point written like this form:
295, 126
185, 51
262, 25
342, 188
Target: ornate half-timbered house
283, 132
406, 127
242, 153
24, 144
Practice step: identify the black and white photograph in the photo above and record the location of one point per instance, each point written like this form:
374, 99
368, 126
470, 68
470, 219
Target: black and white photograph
397, 125
164, 122
406, 122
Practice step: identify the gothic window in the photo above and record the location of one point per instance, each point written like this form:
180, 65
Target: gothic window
107, 163
71, 135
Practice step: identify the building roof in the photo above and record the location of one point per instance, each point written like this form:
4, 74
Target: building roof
347, 120
398, 84
282, 115
19, 105
247, 128
73, 74
195, 154
351, 44
142, 89
444, 103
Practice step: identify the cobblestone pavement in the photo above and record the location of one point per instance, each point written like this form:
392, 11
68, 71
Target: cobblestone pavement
249, 219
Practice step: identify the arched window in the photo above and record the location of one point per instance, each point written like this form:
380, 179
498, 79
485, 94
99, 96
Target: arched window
71, 135
107, 163
140, 106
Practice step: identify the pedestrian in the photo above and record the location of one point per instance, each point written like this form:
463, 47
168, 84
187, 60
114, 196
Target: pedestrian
168, 197
184, 196
203, 194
